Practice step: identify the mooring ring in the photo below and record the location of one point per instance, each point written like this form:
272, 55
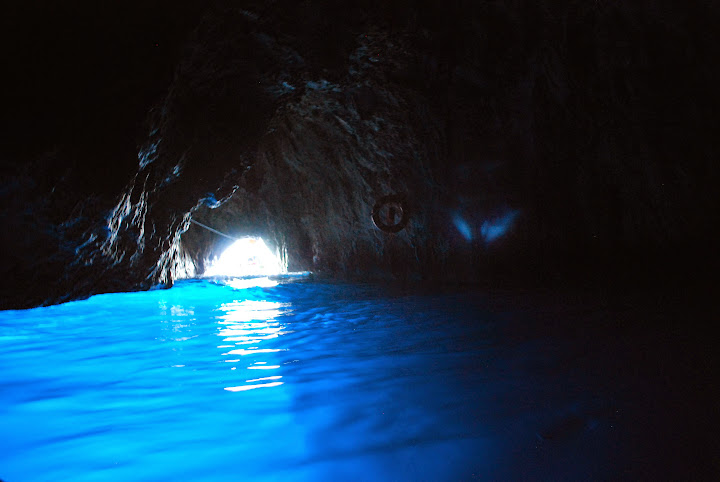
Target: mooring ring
390, 213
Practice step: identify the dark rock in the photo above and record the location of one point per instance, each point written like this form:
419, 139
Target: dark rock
534, 143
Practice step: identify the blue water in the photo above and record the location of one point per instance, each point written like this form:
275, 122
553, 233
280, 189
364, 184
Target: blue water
306, 381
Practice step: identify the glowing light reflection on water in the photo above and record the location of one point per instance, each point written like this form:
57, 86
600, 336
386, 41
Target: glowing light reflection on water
299, 381
252, 322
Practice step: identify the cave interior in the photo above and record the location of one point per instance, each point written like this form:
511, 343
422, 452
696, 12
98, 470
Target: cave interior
525, 146
532, 144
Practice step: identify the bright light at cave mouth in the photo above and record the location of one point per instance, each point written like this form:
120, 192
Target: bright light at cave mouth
246, 257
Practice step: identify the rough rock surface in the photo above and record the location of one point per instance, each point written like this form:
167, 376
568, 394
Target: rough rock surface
570, 140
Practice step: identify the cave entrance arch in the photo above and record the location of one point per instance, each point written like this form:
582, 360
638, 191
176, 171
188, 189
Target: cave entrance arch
247, 256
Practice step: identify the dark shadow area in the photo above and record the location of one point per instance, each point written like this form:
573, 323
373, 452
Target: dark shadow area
534, 144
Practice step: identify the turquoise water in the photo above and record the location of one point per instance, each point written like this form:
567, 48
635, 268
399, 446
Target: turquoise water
305, 381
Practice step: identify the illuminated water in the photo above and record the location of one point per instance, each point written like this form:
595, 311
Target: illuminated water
312, 381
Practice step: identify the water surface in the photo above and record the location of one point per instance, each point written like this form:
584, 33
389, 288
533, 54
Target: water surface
314, 381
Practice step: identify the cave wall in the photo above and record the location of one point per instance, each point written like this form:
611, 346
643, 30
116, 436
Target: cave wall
577, 121
583, 131
329, 153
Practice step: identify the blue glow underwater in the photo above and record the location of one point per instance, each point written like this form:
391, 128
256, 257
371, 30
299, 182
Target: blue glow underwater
492, 229
296, 381
204, 381
463, 227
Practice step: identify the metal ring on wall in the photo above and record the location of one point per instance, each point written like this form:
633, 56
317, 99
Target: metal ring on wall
390, 213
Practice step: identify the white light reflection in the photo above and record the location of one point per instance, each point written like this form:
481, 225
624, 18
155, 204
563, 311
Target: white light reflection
249, 310
248, 327
264, 378
243, 388
177, 321
244, 283
252, 351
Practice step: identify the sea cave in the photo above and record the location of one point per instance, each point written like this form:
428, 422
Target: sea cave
405, 240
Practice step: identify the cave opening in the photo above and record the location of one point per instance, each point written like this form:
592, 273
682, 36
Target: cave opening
246, 257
